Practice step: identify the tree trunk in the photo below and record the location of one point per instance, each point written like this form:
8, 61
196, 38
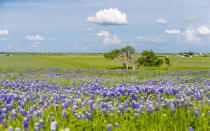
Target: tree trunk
134, 66
126, 61
126, 66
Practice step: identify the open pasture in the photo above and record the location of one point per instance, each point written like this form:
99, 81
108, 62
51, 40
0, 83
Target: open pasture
93, 61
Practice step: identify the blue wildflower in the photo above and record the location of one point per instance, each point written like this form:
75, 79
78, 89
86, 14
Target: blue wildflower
172, 107
54, 126
135, 115
89, 116
116, 125
109, 127
190, 129
10, 129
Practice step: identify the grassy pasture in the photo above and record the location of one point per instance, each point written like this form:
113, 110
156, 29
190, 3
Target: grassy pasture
93, 61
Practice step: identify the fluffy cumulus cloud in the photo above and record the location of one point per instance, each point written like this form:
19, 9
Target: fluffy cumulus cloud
173, 32
161, 21
108, 38
191, 35
34, 38
203, 30
109, 17
4, 32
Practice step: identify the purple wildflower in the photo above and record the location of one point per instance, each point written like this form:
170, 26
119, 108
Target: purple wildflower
25, 123
116, 125
64, 114
109, 127
10, 129
190, 129
89, 116
172, 107
135, 115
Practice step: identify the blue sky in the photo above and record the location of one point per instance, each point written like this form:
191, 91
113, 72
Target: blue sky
85, 26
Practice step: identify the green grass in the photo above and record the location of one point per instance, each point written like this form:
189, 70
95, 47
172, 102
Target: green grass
93, 61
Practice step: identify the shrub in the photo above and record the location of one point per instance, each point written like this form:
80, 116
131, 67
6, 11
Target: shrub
148, 58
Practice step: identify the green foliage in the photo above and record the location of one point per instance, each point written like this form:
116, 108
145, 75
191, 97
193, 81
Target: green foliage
128, 50
148, 58
125, 54
167, 61
113, 54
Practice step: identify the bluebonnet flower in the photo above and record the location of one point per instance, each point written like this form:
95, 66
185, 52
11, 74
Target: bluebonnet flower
104, 111
52, 118
4, 110
135, 115
89, 116
4, 123
54, 126
196, 112
82, 117
172, 107
37, 125
10, 129
149, 108
190, 129
25, 123
116, 125
42, 124
109, 127
64, 114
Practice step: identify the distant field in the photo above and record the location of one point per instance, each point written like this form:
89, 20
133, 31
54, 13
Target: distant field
92, 61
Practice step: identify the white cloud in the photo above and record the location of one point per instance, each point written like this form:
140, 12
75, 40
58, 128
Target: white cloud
35, 46
203, 30
103, 33
88, 29
109, 16
140, 38
34, 38
161, 21
173, 32
189, 18
4, 32
108, 38
191, 35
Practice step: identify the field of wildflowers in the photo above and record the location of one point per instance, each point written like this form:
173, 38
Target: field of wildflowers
98, 99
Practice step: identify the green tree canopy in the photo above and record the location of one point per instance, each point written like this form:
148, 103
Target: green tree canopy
125, 54
148, 58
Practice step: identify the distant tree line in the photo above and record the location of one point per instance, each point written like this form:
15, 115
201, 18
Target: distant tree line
128, 55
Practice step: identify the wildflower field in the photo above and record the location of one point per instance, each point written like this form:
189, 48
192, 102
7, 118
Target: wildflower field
63, 99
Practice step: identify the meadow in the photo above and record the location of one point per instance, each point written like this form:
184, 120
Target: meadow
55, 92
93, 61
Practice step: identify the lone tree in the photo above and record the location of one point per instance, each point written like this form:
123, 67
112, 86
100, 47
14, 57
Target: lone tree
148, 58
127, 54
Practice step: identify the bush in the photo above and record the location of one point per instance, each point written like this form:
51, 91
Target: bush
148, 58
